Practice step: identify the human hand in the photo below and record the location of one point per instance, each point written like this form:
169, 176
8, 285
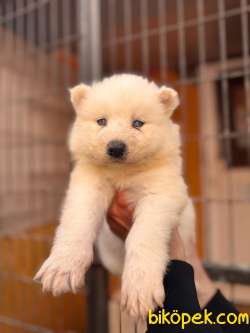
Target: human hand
120, 215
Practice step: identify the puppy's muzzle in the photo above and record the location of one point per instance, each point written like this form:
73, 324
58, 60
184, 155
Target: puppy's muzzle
116, 149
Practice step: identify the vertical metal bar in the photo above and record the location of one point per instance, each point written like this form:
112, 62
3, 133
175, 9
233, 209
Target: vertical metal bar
226, 123
162, 39
12, 118
23, 124
144, 36
181, 39
201, 32
225, 107
112, 34
90, 48
22, 159
95, 39
127, 32
83, 56
182, 68
55, 76
29, 121
246, 66
54, 36
66, 17
42, 158
11, 109
97, 296
223, 59
4, 116
41, 27
202, 143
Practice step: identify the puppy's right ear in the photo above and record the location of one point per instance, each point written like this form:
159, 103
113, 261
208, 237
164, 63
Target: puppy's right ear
78, 94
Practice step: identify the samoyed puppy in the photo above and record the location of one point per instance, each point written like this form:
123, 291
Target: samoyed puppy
123, 139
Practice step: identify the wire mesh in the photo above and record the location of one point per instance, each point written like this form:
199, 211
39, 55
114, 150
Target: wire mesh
202, 49
199, 47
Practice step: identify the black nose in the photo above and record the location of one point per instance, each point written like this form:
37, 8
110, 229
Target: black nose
116, 149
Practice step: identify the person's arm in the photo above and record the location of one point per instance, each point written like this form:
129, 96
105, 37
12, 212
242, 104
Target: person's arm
220, 306
181, 298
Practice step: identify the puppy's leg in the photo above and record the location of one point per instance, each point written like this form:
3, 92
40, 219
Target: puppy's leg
84, 209
147, 252
111, 250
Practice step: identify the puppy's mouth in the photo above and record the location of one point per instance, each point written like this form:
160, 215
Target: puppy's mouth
121, 159
118, 160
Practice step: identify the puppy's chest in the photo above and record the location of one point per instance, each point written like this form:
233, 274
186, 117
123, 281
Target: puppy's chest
133, 187
140, 183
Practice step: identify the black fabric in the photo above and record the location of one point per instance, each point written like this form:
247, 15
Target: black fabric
180, 288
181, 296
219, 304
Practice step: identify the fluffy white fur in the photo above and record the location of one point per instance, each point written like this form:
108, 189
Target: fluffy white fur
150, 175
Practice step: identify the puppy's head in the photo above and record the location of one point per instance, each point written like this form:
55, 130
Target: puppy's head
122, 119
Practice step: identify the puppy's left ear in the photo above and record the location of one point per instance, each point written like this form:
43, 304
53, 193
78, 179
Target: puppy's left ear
78, 94
169, 99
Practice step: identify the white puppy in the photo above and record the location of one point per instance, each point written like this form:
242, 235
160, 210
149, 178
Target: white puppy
123, 139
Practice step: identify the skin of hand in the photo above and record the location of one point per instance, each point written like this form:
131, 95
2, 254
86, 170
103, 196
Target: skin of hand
120, 216
120, 220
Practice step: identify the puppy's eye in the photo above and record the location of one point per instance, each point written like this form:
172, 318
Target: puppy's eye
137, 123
102, 121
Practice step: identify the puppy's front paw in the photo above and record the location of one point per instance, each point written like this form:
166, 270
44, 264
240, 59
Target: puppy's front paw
141, 291
60, 274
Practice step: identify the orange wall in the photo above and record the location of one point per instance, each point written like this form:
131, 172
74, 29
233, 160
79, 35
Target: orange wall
22, 299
